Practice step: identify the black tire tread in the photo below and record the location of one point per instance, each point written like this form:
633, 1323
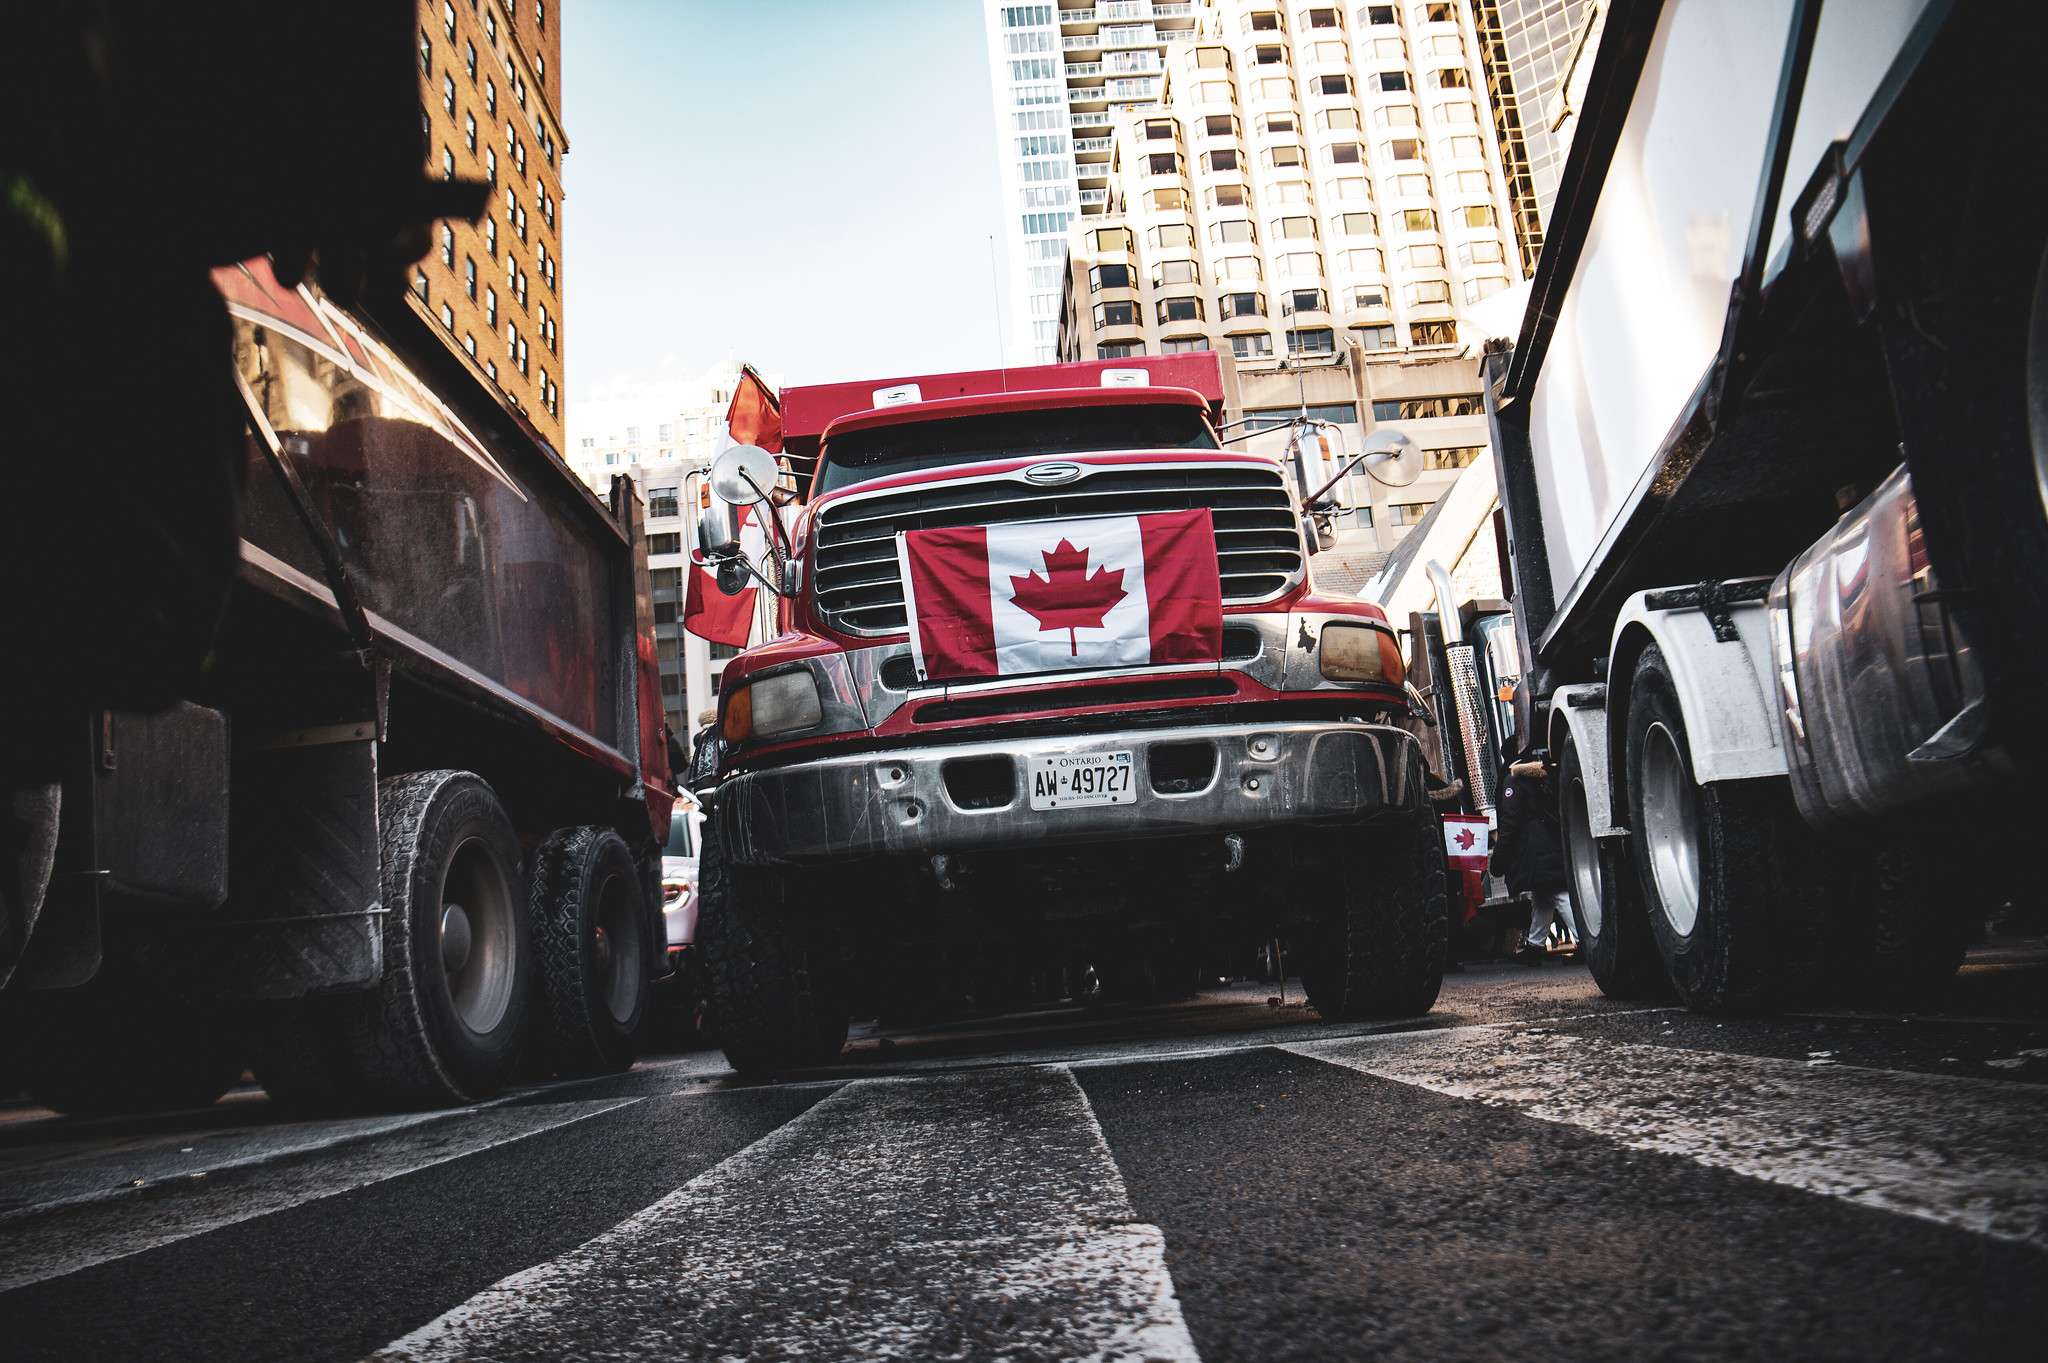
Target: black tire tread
775, 1009
578, 1035
1383, 951
1622, 957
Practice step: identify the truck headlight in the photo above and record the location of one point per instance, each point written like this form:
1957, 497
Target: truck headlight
774, 705
1358, 653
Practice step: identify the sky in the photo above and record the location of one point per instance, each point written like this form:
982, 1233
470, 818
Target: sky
807, 187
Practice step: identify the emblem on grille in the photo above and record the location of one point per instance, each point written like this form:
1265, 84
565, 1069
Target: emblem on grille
1052, 475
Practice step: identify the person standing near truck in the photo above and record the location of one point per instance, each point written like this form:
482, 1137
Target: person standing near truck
1527, 850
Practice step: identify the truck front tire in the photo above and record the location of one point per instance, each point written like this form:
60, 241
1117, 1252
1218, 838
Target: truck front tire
776, 988
1613, 930
1376, 948
590, 928
1728, 871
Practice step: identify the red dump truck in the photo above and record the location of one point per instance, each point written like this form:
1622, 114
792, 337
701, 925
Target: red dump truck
1055, 709
404, 832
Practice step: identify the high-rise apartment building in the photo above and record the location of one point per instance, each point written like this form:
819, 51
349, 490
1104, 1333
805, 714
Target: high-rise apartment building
1061, 72
490, 108
1537, 55
1311, 176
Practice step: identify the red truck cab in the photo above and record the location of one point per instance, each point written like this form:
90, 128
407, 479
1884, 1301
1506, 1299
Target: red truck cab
880, 828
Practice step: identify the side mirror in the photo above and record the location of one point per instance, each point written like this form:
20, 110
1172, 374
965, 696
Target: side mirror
718, 529
743, 474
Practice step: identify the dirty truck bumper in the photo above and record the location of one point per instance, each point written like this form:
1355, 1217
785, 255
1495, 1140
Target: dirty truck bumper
901, 802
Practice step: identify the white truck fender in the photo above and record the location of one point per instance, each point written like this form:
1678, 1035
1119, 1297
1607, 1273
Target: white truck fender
1723, 686
1582, 710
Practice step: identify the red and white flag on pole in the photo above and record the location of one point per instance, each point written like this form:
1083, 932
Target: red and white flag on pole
1046, 596
709, 613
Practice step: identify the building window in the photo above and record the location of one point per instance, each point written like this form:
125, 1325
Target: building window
470, 62
1289, 192
1362, 260
1418, 219
469, 132
1479, 253
469, 343
661, 501
1222, 158
1229, 231
1226, 196
1266, 418
1467, 147
1111, 277
1161, 130
666, 431
491, 164
1379, 16
1334, 85
540, 15
1344, 154
1113, 239
1269, 56
1280, 158
1243, 305
469, 277
1239, 267
1408, 513
1433, 333
1181, 345
1180, 310
491, 372
1375, 338
419, 284
448, 94
1388, 82
1258, 345
1476, 215
448, 18
1362, 517
447, 245
1176, 272
1172, 236
1119, 350
426, 54
1312, 341
1169, 200
665, 544
1424, 293
447, 164
447, 317
1123, 314
1355, 224
1456, 457
1452, 78
1368, 296
491, 307
1303, 300
491, 27
1337, 119
1300, 264
1425, 409
491, 236
1353, 187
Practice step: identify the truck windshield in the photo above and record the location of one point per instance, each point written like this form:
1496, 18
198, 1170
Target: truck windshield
856, 456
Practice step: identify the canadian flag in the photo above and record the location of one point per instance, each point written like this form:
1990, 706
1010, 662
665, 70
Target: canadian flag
1044, 596
709, 613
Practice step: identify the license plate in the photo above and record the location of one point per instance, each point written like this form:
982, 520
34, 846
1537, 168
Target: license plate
1077, 780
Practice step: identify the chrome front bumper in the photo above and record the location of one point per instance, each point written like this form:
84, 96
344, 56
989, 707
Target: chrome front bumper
1264, 776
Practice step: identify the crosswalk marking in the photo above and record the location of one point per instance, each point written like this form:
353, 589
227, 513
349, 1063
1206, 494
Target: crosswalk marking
37, 1244
1963, 1152
908, 1217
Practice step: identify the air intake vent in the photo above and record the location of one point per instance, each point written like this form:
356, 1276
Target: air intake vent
1240, 643
860, 590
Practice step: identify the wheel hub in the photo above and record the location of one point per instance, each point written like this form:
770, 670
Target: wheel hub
1584, 853
457, 940
1671, 829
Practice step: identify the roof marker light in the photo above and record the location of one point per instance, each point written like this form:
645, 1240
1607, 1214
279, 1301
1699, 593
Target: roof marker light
1126, 378
899, 395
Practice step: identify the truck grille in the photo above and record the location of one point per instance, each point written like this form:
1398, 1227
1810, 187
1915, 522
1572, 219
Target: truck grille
859, 588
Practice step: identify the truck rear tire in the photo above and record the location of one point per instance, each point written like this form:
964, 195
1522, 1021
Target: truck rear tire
590, 933
775, 986
1727, 870
1377, 949
445, 1024
1607, 904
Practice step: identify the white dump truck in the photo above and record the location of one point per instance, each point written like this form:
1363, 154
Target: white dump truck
1771, 450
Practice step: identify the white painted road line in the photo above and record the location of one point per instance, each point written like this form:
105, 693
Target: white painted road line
1963, 1152
66, 1239
975, 1215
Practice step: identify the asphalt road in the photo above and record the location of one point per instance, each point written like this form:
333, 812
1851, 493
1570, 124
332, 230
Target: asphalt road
1530, 1172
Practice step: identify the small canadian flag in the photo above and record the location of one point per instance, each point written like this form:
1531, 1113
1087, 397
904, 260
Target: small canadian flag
1047, 596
